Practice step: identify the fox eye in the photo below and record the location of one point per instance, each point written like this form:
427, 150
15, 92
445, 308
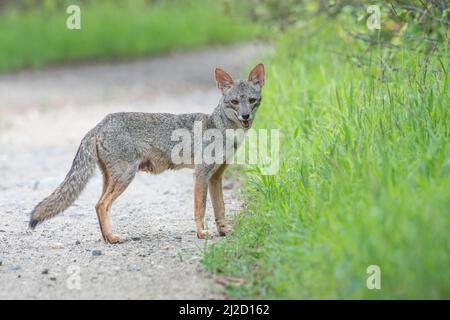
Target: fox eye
251, 100
235, 102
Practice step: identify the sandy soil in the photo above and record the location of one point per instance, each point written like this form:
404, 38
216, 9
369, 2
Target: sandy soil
43, 116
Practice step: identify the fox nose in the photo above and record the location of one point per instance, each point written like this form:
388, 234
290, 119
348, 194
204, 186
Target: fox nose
245, 116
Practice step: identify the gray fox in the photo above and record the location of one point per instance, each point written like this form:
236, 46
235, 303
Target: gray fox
124, 143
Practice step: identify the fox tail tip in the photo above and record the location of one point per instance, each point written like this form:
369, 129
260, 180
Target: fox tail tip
33, 223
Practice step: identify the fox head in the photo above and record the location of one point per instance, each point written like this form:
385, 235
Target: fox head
241, 98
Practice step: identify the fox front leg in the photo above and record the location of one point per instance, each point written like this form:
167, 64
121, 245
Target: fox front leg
200, 192
216, 194
202, 175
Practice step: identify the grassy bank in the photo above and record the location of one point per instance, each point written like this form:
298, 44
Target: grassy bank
110, 29
364, 177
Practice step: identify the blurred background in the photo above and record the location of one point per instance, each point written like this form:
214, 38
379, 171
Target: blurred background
110, 29
33, 37
362, 106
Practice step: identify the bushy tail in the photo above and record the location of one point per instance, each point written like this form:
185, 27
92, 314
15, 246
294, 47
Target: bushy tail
68, 191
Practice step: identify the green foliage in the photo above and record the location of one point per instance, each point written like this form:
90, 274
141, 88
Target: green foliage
427, 15
37, 36
364, 176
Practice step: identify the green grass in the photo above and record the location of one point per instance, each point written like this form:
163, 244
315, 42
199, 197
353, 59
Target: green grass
110, 30
364, 177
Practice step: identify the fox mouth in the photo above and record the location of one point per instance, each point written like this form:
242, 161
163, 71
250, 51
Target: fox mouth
245, 123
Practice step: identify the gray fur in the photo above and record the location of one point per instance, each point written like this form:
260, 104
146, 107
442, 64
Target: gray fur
68, 191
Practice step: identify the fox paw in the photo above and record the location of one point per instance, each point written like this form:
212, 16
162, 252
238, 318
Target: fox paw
204, 234
224, 230
112, 238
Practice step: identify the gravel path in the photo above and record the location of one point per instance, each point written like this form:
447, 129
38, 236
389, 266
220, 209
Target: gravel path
43, 116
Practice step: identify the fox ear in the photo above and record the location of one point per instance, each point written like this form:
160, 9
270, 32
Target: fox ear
223, 79
257, 75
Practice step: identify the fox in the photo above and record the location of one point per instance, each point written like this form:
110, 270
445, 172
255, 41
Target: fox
127, 142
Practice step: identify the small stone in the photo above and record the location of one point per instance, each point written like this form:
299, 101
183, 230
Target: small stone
57, 246
53, 278
96, 253
77, 242
136, 238
45, 271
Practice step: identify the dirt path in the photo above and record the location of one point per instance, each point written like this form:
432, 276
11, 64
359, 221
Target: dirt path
43, 116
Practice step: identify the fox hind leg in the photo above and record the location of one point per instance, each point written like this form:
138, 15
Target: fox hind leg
98, 208
113, 186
